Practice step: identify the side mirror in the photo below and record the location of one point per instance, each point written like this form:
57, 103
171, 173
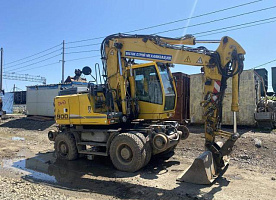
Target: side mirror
86, 70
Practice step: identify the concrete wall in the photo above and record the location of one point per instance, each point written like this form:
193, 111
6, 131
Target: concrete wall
248, 98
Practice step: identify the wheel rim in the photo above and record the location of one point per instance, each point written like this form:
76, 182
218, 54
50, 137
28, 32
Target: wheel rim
124, 154
63, 149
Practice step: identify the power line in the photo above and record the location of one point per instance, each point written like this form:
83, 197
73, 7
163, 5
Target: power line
38, 67
82, 51
197, 16
32, 55
34, 63
96, 38
58, 62
83, 58
83, 46
34, 59
216, 20
193, 34
236, 28
264, 64
172, 22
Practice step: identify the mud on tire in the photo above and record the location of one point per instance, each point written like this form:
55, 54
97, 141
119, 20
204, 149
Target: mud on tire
127, 152
65, 146
147, 147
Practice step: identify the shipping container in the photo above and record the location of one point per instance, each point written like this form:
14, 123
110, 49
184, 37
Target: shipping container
249, 95
182, 111
40, 98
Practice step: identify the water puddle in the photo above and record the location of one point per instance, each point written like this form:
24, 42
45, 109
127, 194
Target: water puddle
18, 138
45, 168
24, 167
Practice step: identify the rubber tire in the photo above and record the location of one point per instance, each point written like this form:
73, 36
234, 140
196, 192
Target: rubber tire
69, 140
185, 132
147, 148
148, 153
138, 150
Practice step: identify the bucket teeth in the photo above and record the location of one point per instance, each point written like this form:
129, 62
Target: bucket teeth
202, 171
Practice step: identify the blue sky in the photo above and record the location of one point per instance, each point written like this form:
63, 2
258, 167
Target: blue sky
28, 27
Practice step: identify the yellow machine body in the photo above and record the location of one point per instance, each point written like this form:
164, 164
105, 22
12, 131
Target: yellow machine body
80, 108
77, 109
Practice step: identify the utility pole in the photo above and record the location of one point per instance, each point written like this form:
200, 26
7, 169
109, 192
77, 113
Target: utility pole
13, 87
63, 61
1, 73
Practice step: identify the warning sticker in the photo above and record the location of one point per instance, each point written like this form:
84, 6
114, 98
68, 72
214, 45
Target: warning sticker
187, 59
199, 61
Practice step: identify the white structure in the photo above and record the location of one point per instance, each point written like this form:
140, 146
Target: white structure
249, 95
40, 98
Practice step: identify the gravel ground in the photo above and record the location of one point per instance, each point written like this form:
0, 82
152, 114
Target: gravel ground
29, 170
12, 188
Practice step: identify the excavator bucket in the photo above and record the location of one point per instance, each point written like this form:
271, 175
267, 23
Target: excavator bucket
202, 171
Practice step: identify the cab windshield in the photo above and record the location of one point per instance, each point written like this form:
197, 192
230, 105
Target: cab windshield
148, 87
168, 87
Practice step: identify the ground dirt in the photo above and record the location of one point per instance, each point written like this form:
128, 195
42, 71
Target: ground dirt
29, 170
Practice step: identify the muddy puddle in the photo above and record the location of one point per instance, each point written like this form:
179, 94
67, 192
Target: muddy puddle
46, 168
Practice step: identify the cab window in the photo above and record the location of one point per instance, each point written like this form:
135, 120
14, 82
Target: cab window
148, 87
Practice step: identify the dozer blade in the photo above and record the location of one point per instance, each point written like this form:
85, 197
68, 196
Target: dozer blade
202, 171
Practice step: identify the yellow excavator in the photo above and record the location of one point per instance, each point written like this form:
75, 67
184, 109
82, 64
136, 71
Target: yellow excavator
123, 113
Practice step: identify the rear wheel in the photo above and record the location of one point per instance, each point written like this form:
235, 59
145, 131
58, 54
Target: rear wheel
127, 152
148, 153
65, 146
147, 147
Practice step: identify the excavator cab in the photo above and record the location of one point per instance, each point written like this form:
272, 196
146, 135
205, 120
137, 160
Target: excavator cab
155, 90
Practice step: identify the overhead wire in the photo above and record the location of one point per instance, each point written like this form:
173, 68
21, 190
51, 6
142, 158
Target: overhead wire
72, 47
264, 64
81, 51
193, 17
240, 5
235, 25
33, 54
83, 58
38, 67
236, 28
59, 62
233, 28
216, 20
172, 22
34, 63
33, 59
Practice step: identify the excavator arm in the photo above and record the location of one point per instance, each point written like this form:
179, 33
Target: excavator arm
217, 66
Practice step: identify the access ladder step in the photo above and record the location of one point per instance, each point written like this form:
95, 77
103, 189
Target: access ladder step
94, 153
93, 144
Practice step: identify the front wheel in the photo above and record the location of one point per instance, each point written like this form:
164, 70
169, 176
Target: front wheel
65, 146
127, 152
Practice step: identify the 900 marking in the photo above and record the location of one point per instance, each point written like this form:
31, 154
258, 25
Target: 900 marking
62, 116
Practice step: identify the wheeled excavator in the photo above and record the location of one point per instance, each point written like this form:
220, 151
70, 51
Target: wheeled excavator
124, 112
